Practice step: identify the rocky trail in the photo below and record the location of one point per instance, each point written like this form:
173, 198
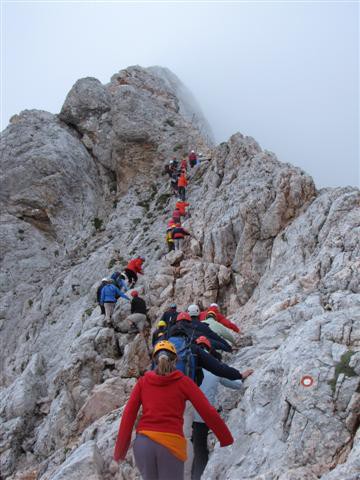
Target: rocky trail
81, 193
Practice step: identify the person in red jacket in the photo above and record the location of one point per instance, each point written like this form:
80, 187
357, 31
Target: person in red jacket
183, 165
181, 206
133, 268
182, 183
192, 158
160, 445
214, 311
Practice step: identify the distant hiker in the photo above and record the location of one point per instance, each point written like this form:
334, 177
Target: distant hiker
169, 239
181, 206
183, 164
119, 280
178, 235
138, 316
192, 158
174, 182
104, 281
209, 387
170, 315
160, 331
219, 328
133, 268
160, 446
176, 216
109, 295
214, 307
182, 183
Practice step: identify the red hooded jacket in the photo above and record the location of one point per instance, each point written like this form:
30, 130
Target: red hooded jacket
163, 403
136, 265
182, 207
220, 318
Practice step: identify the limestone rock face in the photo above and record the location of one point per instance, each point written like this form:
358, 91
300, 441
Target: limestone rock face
82, 193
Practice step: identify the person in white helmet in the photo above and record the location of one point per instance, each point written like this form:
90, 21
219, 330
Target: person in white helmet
192, 159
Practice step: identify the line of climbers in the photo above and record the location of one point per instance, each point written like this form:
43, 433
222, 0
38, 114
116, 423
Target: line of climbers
186, 345
175, 233
187, 368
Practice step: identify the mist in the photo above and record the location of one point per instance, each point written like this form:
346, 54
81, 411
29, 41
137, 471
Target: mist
284, 73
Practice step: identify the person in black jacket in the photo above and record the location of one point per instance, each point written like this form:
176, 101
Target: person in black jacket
138, 318
170, 315
104, 282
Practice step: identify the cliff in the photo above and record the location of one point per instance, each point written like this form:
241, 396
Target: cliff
81, 193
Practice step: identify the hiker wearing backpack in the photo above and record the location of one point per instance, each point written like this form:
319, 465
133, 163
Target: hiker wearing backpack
160, 446
182, 183
160, 332
109, 295
218, 328
192, 158
133, 268
200, 431
119, 280
214, 307
104, 281
170, 315
178, 235
169, 239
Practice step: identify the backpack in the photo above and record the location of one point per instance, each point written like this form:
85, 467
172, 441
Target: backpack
186, 360
115, 276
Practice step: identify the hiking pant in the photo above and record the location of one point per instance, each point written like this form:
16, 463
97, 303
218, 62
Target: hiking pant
178, 242
109, 309
182, 193
139, 320
192, 163
102, 308
201, 452
132, 276
155, 461
171, 246
187, 427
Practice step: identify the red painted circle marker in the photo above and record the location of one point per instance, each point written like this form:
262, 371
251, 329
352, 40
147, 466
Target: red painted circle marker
307, 381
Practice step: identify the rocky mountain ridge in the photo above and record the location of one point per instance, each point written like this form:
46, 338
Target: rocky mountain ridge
81, 193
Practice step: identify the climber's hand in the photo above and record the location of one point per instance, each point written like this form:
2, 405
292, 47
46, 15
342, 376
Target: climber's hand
247, 373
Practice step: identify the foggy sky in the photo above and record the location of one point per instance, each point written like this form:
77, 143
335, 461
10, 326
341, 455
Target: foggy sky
285, 73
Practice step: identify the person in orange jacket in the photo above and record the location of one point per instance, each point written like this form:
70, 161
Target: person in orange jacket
133, 268
181, 206
214, 309
182, 183
160, 445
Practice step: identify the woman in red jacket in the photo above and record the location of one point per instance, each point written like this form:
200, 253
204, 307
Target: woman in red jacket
133, 268
160, 445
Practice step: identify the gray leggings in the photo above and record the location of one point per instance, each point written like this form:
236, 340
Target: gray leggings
156, 462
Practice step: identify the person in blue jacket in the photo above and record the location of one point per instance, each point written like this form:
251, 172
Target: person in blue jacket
109, 295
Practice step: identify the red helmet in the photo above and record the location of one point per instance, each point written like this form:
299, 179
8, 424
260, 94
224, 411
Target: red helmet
183, 316
134, 293
203, 341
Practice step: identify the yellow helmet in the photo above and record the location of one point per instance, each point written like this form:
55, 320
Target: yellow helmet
164, 345
161, 324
